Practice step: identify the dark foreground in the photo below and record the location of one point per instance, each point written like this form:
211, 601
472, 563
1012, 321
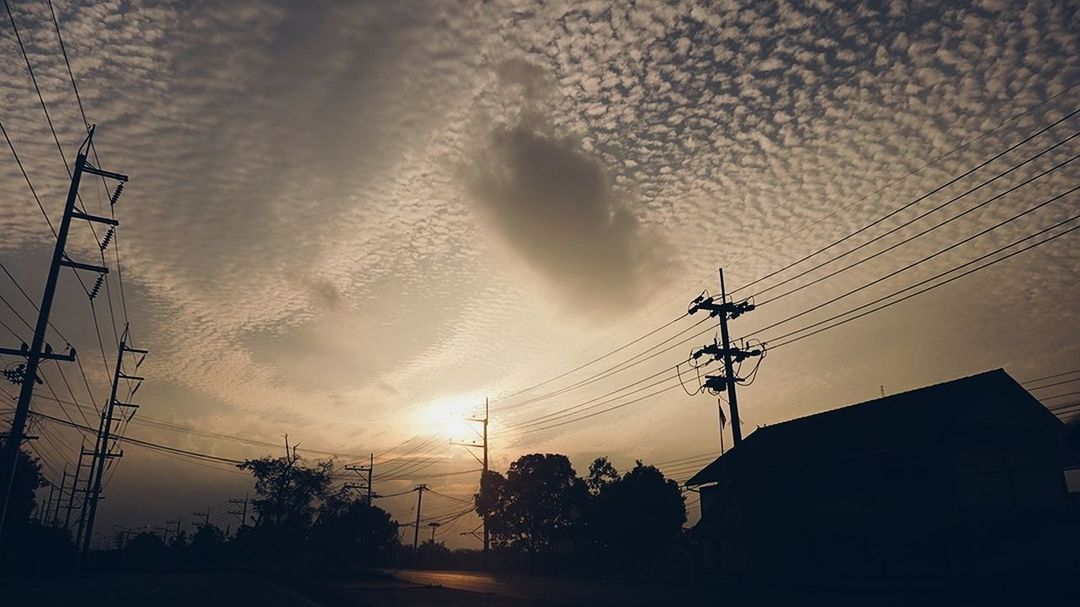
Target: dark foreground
213, 589
413, 588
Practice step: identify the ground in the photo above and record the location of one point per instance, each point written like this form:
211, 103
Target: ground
412, 588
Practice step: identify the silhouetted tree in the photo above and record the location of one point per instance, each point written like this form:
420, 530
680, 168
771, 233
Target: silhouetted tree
21, 502
636, 516
144, 550
539, 502
354, 532
432, 555
288, 492
601, 474
207, 543
25, 546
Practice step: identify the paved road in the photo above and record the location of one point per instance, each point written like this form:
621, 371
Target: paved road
576, 591
153, 589
562, 590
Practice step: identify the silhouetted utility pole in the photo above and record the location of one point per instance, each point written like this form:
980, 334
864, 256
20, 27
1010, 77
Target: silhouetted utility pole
103, 451
179, 522
122, 536
484, 461
59, 497
361, 471
205, 516
38, 350
46, 507
419, 501
75, 489
433, 526
724, 310
242, 513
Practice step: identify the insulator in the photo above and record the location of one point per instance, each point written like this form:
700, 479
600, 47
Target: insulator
116, 194
108, 238
13, 376
97, 286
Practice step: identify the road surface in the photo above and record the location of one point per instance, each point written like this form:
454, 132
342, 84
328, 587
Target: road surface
631, 593
153, 589
559, 590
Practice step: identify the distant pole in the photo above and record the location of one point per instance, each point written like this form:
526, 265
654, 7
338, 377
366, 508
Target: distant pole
419, 501
433, 526
242, 513
59, 498
205, 516
725, 340
74, 485
104, 449
487, 416
364, 470
178, 522
43, 513
483, 461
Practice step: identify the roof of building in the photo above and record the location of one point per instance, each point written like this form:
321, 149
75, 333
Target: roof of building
893, 422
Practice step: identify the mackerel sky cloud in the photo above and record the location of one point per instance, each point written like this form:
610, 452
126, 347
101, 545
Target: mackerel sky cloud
344, 214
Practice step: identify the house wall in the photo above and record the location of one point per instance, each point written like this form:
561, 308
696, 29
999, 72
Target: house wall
986, 494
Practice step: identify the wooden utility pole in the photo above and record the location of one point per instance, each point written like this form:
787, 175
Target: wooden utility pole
179, 522
38, 349
419, 501
103, 451
59, 497
74, 485
725, 340
433, 526
487, 416
43, 512
242, 513
364, 470
484, 461
205, 516
724, 310
86, 487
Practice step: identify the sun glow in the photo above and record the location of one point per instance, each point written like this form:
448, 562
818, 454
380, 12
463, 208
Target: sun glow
449, 416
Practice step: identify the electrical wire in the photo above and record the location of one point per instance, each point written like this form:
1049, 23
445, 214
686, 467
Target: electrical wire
921, 216
909, 296
914, 201
917, 262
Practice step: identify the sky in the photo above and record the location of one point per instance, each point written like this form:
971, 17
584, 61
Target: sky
352, 222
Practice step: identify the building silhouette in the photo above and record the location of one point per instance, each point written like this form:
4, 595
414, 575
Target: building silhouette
956, 479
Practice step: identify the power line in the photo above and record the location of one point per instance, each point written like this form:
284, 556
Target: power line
29, 183
930, 288
921, 216
593, 361
1057, 383
33, 79
915, 201
919, 261
1055, 375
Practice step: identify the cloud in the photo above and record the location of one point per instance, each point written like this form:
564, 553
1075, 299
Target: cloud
553, 204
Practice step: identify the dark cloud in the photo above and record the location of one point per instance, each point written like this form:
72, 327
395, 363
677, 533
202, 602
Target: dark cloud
553, 204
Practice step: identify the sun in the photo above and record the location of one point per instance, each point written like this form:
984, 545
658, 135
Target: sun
449, 416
